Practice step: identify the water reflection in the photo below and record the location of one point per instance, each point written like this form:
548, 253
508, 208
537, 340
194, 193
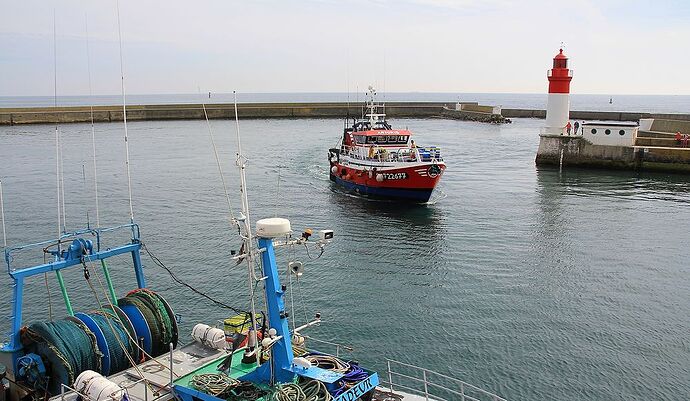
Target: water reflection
614, 183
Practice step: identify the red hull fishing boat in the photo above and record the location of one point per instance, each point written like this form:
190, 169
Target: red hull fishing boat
375, 160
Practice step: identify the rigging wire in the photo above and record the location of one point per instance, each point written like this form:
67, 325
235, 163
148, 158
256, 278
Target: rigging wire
2, 215
220, 168
160, 264
93, 127
124, 115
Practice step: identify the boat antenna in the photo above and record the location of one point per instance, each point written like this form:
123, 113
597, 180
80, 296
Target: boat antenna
93, 128
347, 87
2, 216
384, 82
124, 114
247, 237
233, 222
57, 133
62, 186
83, 178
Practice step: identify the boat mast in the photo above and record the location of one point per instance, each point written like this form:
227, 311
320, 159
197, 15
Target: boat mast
247, 237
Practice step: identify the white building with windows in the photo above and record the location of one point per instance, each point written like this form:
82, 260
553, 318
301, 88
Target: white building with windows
610, 133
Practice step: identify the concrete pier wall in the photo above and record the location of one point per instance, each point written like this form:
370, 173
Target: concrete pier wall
48, 115
579, 152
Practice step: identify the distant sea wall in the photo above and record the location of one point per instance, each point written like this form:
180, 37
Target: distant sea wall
595, 115
80, 114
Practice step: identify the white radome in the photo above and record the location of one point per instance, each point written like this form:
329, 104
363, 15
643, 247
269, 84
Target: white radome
273, 227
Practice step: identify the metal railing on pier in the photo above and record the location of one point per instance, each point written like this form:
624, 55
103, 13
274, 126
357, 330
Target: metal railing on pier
433, 386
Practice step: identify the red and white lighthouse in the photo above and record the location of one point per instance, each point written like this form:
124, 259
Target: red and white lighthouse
558, 104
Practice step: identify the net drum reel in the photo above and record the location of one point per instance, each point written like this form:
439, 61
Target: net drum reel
113, 339
65, 347
153, 320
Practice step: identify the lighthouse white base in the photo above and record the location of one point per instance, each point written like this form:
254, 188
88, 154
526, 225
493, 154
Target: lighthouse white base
557, 113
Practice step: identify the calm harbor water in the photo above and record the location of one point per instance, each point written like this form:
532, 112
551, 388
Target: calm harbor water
532, 284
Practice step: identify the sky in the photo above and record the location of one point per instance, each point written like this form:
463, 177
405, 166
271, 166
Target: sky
470, 46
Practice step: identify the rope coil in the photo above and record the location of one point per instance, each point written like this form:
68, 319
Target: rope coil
216, 384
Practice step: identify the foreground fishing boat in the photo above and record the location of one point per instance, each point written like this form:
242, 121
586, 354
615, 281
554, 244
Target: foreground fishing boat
375, 160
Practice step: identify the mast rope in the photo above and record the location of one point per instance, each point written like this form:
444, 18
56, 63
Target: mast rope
220, 168
179, 281
2, 216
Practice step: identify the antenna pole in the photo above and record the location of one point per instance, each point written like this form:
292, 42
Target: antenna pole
384, 82
347, 85
57, 133
247, 238
2, 215
93, 128
124, 115
62, 187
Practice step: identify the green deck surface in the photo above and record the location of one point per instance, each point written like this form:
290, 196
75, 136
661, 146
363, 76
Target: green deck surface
238, 369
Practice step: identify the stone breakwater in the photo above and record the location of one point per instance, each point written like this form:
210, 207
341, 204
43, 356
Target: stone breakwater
80, 114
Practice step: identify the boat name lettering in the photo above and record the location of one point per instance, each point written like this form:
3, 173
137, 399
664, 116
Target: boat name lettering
395, 176
357, 391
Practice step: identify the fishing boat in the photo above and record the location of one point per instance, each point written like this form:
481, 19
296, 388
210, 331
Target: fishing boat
375, 160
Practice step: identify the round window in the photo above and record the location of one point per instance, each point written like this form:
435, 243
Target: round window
607, 132
621, 132
594, 131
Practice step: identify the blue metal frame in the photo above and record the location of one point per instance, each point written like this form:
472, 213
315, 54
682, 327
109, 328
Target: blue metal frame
79, 251
280, 363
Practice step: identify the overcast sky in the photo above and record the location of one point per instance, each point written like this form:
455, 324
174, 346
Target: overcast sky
171, 46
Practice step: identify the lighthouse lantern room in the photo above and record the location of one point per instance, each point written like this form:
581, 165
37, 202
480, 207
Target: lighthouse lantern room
558, 103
